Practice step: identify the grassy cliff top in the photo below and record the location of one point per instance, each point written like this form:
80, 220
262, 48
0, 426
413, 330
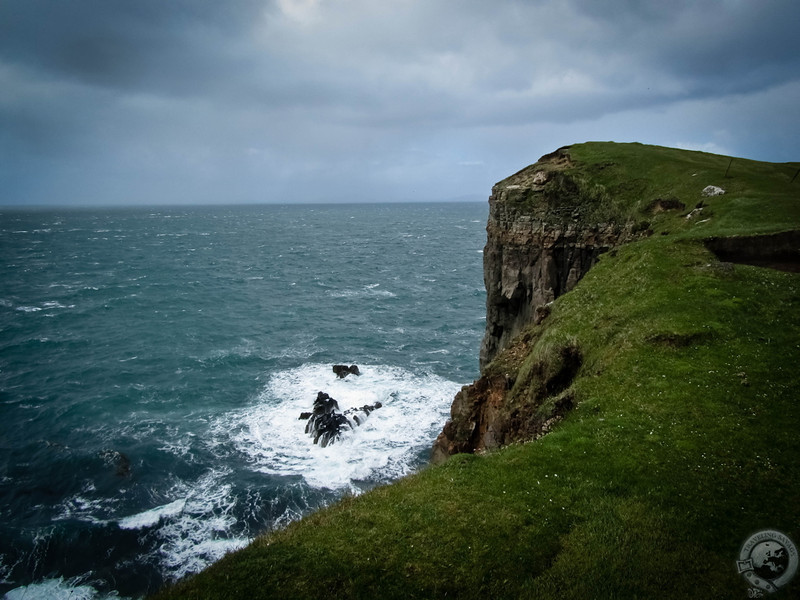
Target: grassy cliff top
684, 440
633, 182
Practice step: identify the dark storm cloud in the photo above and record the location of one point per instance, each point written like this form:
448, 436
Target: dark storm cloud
733, 45
143, 45
182, 101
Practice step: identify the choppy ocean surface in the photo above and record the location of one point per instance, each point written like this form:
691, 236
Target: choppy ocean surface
154, 362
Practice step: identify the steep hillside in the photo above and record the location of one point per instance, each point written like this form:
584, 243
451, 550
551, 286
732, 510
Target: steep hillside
642, 412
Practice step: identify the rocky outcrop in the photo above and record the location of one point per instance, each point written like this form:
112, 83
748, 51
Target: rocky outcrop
326, 424
547, 226
118, 461
498, 409
343, 371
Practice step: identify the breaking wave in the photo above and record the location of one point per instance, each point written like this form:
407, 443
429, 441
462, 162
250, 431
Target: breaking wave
386, 446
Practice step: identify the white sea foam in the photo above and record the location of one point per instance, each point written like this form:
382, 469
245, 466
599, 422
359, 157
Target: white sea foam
384, 447
28, 309
242, 350
194, 530
177, 444
151, 517
58, 589
6, 569
56, 304
84, 507
367, 291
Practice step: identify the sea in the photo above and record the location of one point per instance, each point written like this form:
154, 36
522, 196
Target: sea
154, 363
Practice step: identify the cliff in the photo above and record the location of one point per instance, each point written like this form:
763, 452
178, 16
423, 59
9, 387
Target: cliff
548, 225
543, 235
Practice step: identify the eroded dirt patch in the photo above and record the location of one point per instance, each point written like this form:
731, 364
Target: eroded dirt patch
779, 251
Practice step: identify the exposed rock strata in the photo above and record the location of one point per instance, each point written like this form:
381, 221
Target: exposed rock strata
540, 242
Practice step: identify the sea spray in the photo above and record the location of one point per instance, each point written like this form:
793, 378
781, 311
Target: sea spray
386, 446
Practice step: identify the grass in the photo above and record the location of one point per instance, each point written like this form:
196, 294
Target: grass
760, 197
684, 440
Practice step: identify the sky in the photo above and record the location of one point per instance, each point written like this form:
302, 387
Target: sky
141, 102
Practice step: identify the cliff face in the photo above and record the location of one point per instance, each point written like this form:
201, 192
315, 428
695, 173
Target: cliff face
528, 263
541, 240
546, 229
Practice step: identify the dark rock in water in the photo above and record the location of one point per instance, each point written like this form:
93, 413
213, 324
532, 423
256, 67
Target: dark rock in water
329, 428
304, 415
324, 404
118, 460
343, 371
326, 424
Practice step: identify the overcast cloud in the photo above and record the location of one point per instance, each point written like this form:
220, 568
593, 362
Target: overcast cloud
177, 102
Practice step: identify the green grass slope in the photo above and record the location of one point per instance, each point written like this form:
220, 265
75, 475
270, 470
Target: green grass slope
684, 440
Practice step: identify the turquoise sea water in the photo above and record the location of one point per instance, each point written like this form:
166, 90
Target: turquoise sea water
154, 362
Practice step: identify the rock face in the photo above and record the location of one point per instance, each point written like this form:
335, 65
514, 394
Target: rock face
541, 241
496, 410
546, 229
